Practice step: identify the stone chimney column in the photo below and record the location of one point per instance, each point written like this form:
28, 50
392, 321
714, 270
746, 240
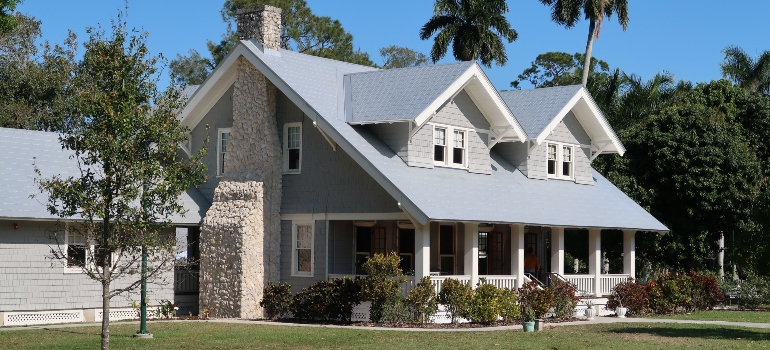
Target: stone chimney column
262, 23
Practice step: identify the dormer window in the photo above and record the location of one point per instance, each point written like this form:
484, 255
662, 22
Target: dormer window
450, 146
560, 160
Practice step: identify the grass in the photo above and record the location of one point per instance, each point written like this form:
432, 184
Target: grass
208, 335
724, 315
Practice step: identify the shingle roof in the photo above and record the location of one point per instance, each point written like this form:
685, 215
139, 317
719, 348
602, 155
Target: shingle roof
400, 94
22, 150
535, 109
454, 194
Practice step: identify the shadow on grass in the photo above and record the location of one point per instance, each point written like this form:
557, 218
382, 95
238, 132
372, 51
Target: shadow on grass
705, 332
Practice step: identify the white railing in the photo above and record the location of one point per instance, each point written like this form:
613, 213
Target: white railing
610, 281
508, 282
438, 280
584, 283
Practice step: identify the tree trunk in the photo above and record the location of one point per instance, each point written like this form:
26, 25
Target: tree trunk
589, 48
106, 312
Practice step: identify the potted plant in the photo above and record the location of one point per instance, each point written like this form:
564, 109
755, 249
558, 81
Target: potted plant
620, 311
590, 311
528, 318
536, 301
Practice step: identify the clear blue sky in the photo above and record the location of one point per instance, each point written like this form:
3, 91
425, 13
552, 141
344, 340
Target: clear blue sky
683, 37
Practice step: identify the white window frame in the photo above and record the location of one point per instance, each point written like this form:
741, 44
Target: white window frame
559, 169
89, 249
220, 155
286, 169
294, 267
449, 140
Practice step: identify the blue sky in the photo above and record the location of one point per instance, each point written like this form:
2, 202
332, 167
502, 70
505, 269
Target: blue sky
683, 37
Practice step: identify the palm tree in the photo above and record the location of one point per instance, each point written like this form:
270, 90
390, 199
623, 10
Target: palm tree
473, 27
751, 74
567, 13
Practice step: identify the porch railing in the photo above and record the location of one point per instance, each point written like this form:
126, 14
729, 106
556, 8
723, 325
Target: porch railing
508, 282
584, 283
610, 281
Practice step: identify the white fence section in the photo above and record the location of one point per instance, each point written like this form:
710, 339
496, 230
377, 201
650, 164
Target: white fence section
438, 280
26, 318
584, 283
610, 281
508, 282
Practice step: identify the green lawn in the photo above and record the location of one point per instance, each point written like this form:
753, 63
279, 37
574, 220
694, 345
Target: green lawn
207, 335
724, 315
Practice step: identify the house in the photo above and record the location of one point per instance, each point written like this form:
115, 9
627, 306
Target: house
316, 164
35, 288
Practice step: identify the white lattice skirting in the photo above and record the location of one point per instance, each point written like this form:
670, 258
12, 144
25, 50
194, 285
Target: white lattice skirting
42, 317
122, 314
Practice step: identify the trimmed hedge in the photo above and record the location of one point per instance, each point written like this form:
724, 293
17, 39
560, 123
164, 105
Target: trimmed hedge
668, 293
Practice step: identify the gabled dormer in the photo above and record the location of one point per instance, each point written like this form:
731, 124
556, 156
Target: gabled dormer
566, 132
444, 115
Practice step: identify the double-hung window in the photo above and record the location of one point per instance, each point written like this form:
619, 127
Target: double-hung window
302, 252
81, 252
292, 147
222, 143
450, 146
561, 160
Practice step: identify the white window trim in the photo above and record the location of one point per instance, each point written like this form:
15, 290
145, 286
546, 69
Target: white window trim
294, 272
559, 160
449, 145
219, 148
286, 127
89, 258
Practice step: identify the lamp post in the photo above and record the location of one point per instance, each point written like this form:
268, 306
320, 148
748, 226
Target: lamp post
143, 332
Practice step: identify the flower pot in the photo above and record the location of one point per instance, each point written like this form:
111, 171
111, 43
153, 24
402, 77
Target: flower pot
621, 312
528, 326
539, 324
590, 313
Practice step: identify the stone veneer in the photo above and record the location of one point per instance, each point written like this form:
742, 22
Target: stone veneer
261, 22
240, 235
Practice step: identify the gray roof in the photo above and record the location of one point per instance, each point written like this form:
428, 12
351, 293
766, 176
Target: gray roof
22, 150
535, 109
505, 196
400, 94
188, 91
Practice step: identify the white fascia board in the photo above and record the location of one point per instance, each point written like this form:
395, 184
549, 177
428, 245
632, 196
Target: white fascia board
502, 107
603, 123
380, 122
330, 131
434, 106
211, 90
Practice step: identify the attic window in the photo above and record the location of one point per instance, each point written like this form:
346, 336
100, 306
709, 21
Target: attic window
561, 160
450, 146
458, 151
439, 145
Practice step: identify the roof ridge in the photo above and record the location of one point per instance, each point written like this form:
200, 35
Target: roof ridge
330, 59
4, 129
413, 67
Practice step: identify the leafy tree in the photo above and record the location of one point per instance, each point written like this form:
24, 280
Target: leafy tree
568, 12
301, 31
191, 69
474, 28
7, 19
34, 79
559, 69
399, 57
124, 139
753, 74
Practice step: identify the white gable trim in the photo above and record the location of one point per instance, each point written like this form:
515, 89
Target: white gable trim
583, 100
475, 82
210, 91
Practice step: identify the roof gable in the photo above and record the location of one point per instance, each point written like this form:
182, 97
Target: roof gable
540, 110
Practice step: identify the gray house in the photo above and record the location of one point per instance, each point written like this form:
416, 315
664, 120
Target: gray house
317, 164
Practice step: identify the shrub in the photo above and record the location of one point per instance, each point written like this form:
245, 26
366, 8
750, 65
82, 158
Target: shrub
706, 291
396, 312
535, 300
327, 300
753, 292
455, 296
276, 300
631, 295
484, 305
382, 285
509, 305
565, 298
422, 300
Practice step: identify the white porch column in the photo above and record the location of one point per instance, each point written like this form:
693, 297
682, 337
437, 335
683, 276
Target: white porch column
629, 253
595, 258
557, 250
422, 251
472, 252
517, 254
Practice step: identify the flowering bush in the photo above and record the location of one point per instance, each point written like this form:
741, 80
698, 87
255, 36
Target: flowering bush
565, 298
535, 301
668, 293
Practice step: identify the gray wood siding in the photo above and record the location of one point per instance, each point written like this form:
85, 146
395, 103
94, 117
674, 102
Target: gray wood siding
330, 181
220, 116
319, 256
31, 281
570, 131
395, 135
537, 165
420, 148
463, 112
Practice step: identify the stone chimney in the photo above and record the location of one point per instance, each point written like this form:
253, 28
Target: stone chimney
262, 23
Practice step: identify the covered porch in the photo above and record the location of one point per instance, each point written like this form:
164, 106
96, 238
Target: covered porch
495, 253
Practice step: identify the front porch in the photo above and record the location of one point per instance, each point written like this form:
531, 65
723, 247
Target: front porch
471, 252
